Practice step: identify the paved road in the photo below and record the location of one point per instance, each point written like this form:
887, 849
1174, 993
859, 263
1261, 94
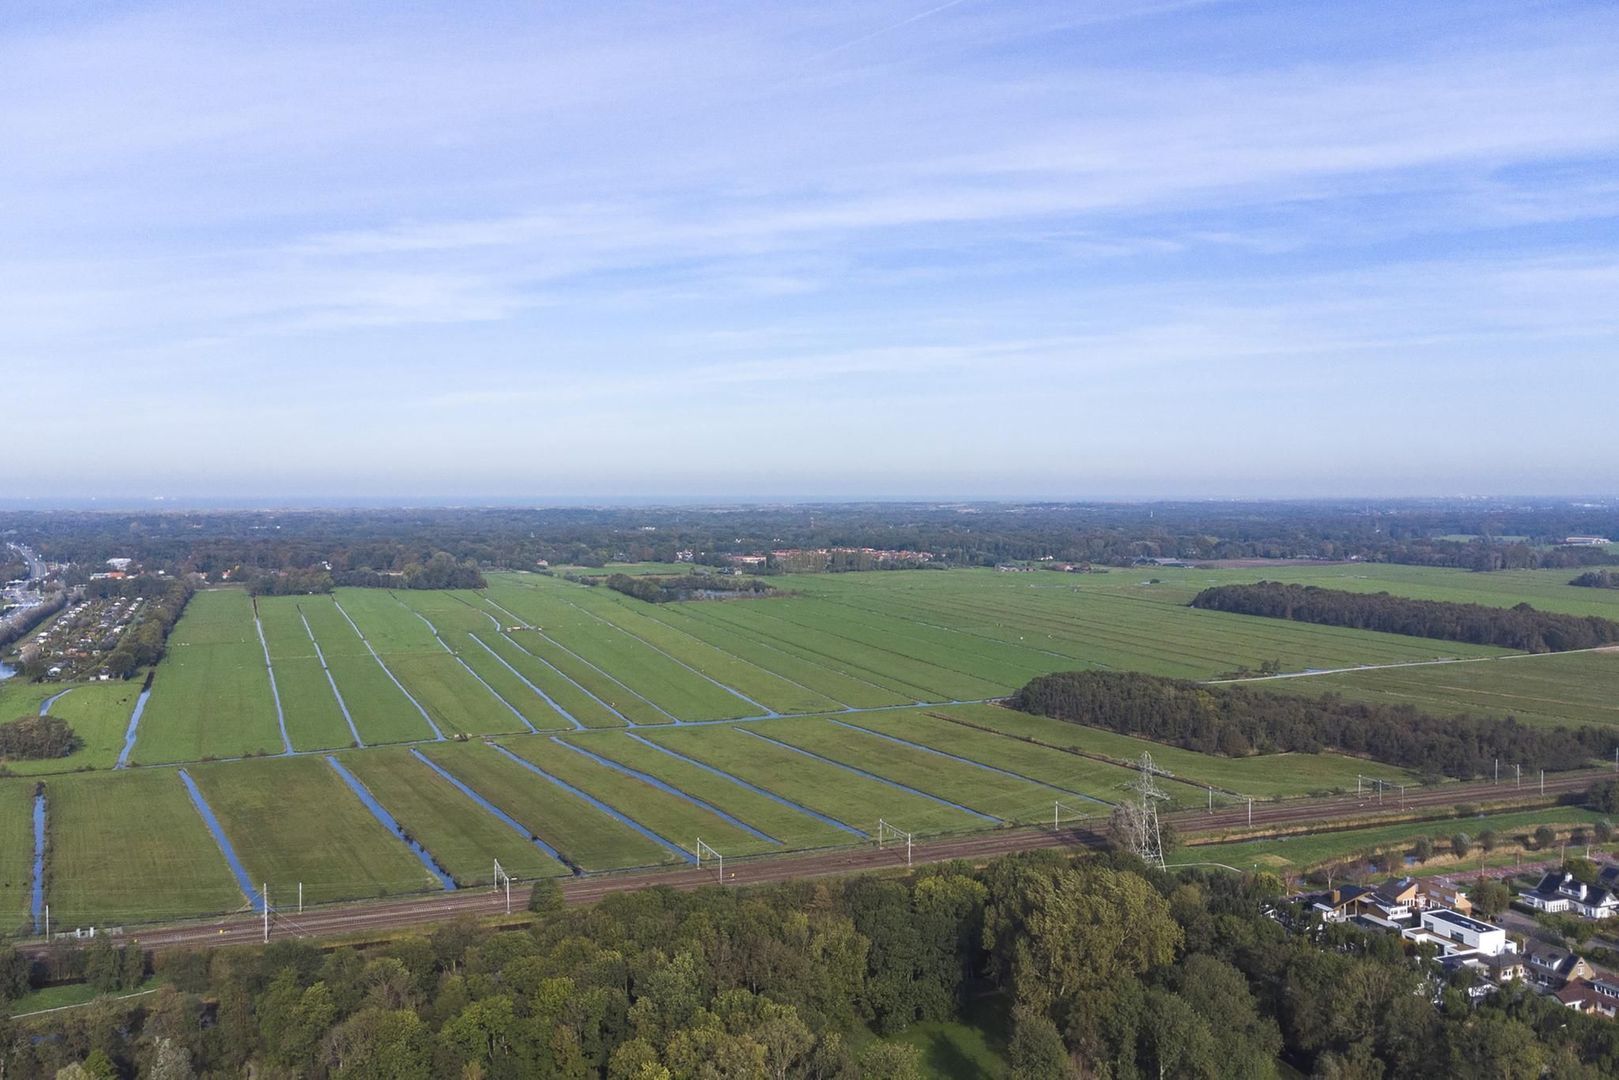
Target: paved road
380, 916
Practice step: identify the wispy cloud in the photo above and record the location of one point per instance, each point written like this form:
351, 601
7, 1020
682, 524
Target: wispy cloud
841, 208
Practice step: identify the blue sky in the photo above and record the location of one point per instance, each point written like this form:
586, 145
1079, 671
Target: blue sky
831, 248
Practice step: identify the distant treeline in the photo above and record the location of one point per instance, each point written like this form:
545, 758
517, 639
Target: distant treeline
18, 623
1597, 579
662, 590
1428, 533
441, 571
1521, 627
1237, 721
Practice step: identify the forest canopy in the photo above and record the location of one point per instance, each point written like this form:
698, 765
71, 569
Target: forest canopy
1520, 627
1236, 721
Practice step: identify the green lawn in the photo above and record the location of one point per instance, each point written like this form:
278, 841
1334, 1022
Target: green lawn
462, 836
794, 828
294, 820
1549, 688
97, 712
970, 1048
827, 789
1008, 798
69, 994
16, 854
670, 816
211, 695
1069, 772
583, 834
1260, 776
1303, 852
129, 847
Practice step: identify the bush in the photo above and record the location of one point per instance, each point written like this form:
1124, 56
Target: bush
546, 897
35, 738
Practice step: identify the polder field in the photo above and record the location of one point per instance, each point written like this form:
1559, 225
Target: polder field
379, 743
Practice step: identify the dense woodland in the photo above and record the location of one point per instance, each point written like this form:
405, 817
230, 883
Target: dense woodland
1597, 579
1442, 533
1520, 627
1238, 720
656, 589
1095, 968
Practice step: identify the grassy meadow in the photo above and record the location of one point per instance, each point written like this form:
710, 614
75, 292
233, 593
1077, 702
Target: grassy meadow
760, 725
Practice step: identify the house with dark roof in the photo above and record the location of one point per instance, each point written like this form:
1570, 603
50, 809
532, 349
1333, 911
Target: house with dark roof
1560, 891
1548, 966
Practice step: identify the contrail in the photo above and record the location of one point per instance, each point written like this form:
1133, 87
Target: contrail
918, 17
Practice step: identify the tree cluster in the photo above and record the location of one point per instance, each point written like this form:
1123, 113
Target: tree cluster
658, 589
143, 644
296, 582
1238, 720
36, 738
1597, 579
1521, 627
1098, 967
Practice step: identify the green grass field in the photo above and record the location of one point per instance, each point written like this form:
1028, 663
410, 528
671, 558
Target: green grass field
426, 666
98, 713
211, 696
484, 663
465, 840
676, 819
1550, 688
1304, 852
382, 712
1068, 772
793, 827
838, 793
294, 820
16, 853
130, 847
583, 834
974, 786
1260, 776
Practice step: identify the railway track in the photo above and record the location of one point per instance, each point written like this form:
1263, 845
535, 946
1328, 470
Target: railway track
379, 917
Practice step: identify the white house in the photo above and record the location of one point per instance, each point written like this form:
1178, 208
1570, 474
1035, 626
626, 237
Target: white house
1564, 892
1456, 934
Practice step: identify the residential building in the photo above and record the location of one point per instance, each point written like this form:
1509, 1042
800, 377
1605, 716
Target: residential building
1559, 891
1459, 935
1552, 967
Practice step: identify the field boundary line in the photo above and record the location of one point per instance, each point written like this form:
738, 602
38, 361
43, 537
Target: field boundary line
488, 806
1031, 740
564, 713
269, 669
825, 819
658, 618
600, 804
82, 1004
336, 693
609, 676
874, 776
226, 849
665, 786
433, 629
967, 760
386, 819
437, 734
733, 691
